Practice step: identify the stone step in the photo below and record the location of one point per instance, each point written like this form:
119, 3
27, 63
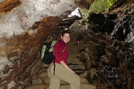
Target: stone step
74, 55
71, 60
66, 86
78, 47
46, 80
34, 86
77, 67
84, 75
83, 86
74, 66
73, 51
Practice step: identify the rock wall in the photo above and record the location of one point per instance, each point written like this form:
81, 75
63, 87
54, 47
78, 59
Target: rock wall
24, 25
107, 52
19, 53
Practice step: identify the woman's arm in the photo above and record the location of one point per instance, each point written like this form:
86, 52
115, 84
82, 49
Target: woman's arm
66, 66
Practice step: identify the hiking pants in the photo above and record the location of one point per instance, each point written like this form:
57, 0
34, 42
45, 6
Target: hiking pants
61, 73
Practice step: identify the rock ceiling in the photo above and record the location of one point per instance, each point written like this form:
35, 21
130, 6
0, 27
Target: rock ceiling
17, 16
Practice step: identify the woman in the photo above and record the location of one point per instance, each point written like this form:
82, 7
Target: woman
62, 71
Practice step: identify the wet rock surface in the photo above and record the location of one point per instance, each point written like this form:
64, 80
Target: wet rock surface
108, 49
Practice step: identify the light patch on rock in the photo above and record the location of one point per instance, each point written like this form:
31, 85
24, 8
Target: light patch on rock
4, 82
3, 62
14, 57
2, 44
35, 10
7, 74
1, 88
11, 84
10, 25
37, 81
1, 74
65, 5
21, 18
31, 32
1, 2
75, 13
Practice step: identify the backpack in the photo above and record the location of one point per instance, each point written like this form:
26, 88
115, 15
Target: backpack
47, 55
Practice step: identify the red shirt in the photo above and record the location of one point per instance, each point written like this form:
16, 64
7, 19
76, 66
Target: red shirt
61, 52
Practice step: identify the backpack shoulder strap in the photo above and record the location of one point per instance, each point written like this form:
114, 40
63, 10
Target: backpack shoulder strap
48, 46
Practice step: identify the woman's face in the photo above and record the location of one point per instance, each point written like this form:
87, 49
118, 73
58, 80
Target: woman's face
66, 37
